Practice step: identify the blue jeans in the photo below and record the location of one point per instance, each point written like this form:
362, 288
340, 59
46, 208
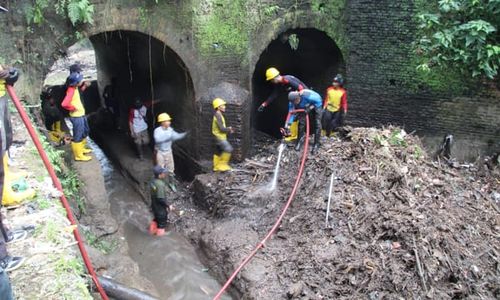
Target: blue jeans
80, 128
5, 288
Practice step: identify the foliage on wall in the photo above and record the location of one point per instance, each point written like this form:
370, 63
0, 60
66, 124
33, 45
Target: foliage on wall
77, 11
460, 34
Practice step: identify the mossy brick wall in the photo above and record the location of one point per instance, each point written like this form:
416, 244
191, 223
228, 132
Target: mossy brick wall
384, 86
221, 41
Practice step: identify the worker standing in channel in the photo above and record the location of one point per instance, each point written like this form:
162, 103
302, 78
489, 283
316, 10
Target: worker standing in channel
220, 131
312, 103
111, 102
164, 136
334, 105
159, 203
138, 126
72, 102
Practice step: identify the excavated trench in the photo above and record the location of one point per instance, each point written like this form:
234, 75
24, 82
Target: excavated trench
315, 60
171, 263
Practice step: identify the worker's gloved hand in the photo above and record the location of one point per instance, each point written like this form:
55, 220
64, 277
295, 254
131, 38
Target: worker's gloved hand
13, 76
286, 131
261, 107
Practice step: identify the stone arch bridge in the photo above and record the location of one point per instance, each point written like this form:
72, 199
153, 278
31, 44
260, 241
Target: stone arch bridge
185, 53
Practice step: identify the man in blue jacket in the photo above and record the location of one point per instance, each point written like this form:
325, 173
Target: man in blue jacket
312, 103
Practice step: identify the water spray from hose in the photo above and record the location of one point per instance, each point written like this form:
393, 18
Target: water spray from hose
272, 187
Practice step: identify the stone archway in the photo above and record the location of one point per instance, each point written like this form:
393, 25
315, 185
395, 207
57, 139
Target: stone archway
315, 61
145, 67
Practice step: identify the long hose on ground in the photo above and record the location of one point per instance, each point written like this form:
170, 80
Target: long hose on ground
283, 212
58, 185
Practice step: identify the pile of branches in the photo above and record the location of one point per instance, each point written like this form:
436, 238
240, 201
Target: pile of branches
400, 224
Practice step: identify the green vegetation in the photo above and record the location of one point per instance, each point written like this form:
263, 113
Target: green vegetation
226, 26
331, 13
102, 245
51, 231
77, 11
396, 137
69, 264
223, 26
459, 35
446, 79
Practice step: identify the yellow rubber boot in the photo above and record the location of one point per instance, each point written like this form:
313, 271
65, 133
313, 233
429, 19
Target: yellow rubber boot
294, 131
10, 176
57, 126
216, 160
56, 136
86, 149
78, 152
323, 132
224, 162
11, 197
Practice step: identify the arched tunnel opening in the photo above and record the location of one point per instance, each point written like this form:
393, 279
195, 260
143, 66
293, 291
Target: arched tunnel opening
315, 60
139, 65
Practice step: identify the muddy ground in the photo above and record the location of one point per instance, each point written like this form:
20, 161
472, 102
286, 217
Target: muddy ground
400, 225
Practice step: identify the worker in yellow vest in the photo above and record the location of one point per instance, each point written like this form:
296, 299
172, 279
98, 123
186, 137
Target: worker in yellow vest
72, 102
220, 131
334, 105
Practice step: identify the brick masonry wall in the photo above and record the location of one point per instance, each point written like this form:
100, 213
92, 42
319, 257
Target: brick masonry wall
380, 34
377, 53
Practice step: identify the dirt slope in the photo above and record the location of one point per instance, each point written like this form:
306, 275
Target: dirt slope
401, 226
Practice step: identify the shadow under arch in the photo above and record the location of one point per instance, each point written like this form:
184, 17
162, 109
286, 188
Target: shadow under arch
315, 61
143, 66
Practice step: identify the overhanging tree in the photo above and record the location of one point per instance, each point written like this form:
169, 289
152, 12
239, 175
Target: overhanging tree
462, 34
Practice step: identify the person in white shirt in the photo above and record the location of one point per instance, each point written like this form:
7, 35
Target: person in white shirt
164, 135
138, 126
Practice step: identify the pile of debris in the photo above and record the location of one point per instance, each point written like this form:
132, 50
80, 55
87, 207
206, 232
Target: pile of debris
400, 225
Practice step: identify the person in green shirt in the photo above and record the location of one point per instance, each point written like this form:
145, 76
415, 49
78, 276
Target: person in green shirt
159, 203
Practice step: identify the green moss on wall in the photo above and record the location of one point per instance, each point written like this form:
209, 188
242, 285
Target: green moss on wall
222, 26
443, 80
332, 20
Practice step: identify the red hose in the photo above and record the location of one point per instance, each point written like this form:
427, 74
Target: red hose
283, 212
58, 185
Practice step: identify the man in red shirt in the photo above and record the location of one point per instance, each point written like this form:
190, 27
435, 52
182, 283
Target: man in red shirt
334, 105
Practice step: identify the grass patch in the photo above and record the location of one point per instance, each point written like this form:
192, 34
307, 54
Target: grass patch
104, 246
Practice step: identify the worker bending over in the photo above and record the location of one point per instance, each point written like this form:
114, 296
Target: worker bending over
286, 83
312, 103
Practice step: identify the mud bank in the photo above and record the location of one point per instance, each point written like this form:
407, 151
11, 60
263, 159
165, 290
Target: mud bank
400, 224
117, 265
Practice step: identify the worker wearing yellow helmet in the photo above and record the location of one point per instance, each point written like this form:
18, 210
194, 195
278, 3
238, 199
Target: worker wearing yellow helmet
286, 83
164, 135
283, 84
220, 131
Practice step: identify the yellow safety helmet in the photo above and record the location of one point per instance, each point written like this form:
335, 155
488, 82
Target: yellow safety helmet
218, 102
164, 117
271, 73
